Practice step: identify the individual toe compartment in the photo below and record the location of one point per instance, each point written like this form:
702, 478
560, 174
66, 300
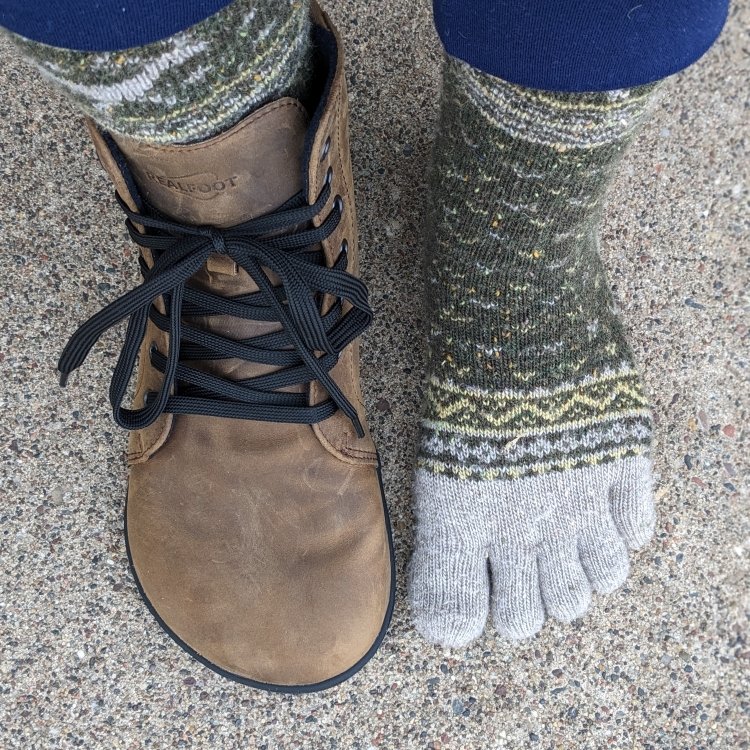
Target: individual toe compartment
566, 590
517, 608
449, 591
604, 556
632, 503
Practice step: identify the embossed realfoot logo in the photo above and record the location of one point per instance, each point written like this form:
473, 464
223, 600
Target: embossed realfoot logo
205, 186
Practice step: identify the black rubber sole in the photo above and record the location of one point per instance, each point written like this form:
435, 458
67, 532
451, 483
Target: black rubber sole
310, 688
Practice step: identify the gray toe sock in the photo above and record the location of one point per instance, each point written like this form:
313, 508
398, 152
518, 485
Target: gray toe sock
541, 544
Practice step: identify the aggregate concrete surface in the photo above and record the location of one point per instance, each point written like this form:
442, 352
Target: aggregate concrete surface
662, 663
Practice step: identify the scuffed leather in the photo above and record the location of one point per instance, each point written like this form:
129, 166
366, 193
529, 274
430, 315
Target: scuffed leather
261, 550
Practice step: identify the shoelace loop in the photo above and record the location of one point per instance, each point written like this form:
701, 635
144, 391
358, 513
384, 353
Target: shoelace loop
304, 350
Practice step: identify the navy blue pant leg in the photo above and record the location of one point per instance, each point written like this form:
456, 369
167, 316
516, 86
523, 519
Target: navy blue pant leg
567, 45
579, 45
103, 25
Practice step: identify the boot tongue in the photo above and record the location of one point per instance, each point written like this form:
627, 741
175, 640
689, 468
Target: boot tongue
247, 171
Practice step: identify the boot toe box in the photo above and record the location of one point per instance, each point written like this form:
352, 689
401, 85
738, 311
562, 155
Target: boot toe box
263, 583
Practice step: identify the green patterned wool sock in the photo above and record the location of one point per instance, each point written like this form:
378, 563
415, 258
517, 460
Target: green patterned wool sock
195, 83
533, 474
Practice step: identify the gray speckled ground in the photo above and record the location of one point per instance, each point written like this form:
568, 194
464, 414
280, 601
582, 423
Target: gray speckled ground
659, 664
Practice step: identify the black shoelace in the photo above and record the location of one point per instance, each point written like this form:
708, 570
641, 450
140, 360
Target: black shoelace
305, 349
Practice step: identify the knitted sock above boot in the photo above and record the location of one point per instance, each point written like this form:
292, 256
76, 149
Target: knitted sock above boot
533, 475
195, 83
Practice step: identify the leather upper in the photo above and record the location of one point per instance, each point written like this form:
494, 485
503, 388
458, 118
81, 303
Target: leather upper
263, 547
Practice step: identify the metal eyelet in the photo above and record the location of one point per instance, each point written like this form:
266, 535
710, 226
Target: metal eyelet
338, 204
344, 247
153, 349
329, 176
148, 397
326, 149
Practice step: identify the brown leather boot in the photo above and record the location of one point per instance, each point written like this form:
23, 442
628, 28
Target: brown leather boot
256, 524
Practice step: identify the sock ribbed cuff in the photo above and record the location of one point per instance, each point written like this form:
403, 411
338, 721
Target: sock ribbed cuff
194, 84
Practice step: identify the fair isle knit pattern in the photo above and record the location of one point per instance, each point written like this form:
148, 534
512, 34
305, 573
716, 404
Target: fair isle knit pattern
534, 423
193, 84
530, 370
